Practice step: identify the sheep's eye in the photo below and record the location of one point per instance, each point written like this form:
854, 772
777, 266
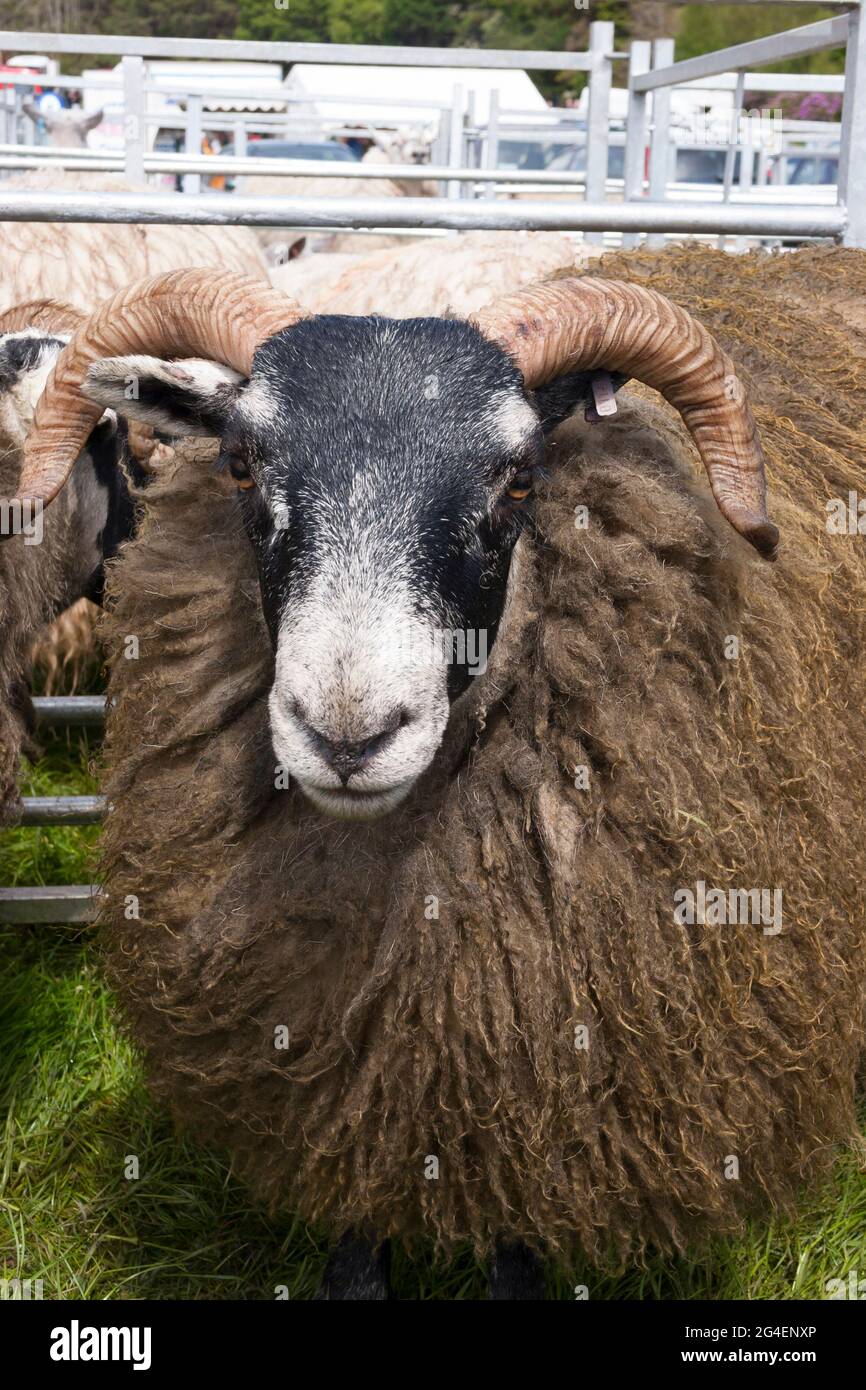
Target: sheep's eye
241, 473
521, 486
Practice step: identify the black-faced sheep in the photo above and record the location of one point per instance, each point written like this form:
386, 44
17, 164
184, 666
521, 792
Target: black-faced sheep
492, 1016
282, 247
47, 560
80, 264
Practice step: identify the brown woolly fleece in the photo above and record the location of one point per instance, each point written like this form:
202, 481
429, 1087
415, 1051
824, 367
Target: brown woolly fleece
32, 577
431, 972
65, 264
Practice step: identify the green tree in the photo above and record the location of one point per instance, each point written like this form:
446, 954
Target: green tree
207, 19
356, 21
420, 23
302, 21
703, 28
539, 24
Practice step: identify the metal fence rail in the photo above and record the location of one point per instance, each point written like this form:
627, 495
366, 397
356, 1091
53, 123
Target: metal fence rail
68, 903
652, 73
252, 50
70, 711
382, 213
62, 810
62, 903
34, 156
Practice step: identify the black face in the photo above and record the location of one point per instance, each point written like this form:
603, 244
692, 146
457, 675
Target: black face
399, 450
104, 515
384, 470
20, 353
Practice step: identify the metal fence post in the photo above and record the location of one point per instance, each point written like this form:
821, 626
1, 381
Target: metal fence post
192, 140
852, 147
470, 145
491, 141
598, 118
639, 58
133, 118
441, 145
30, 132
660, 143
455, 139
733, 145
10, 134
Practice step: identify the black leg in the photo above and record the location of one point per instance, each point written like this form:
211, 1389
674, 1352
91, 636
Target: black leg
357, 1270
515, 1273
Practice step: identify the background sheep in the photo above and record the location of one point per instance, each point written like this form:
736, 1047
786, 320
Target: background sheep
494, 979
38, 577
453, 274
67, 130
64, 266
80, 263
278, 243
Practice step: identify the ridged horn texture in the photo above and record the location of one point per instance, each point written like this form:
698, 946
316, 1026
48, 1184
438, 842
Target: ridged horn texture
581, 324
47, 315
184, 313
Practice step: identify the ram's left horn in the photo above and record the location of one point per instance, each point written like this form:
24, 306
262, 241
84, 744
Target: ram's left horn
581, 324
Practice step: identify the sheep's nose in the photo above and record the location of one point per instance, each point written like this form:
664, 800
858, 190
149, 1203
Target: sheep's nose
348, 756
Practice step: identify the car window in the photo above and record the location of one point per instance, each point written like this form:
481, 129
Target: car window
702, 166
520, 154
556, 158
803, 171
288, 149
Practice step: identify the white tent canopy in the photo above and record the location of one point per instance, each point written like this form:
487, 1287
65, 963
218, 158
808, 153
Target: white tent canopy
385, 91
225, 86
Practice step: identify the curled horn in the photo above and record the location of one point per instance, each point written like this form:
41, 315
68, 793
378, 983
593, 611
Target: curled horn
49, 315
183, 313
581, 324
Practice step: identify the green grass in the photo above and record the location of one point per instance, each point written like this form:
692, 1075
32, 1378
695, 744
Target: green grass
74, 1110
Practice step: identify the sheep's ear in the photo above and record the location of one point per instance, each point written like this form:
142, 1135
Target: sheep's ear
87, 123
192, 397
563, 397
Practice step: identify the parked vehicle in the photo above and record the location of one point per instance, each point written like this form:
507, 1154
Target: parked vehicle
553, 157
691, 166
329, 150
809, 169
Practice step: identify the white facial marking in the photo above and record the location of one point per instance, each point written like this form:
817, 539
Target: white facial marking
258, 403
512, 420
18, 400
356, 661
